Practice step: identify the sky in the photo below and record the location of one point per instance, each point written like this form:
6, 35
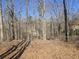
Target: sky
72, 7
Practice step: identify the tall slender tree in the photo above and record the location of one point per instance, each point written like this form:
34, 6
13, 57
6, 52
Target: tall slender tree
1, 22
11, 13
27, 22
41, 13
19, 21
8, 20
65, 16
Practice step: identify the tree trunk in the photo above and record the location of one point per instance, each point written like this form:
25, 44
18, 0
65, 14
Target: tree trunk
27, 22
65, 16
41, 13
1, 23
11, 13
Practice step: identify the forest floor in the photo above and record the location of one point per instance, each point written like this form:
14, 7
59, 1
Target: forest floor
50, 49
45, 49
6, 45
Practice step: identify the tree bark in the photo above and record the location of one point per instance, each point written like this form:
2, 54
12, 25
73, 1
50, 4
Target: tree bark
27, 22
41, 13
1, 23
65, 16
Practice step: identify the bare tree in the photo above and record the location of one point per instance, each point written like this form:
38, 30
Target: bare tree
27, 22
65, 16
19, 21
41, 13
11, 14
1, 22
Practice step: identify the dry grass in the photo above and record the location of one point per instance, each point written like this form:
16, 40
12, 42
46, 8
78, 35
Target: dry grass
41, 49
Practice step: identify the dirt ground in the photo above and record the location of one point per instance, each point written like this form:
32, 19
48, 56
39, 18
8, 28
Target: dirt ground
44, 49
6, 45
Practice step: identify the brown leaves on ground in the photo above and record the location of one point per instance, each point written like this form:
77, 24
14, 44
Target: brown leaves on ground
53, 49
6, 45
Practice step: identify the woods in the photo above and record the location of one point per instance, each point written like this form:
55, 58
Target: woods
39, 29
14, 26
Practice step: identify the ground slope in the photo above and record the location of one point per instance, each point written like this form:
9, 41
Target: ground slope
44, 49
